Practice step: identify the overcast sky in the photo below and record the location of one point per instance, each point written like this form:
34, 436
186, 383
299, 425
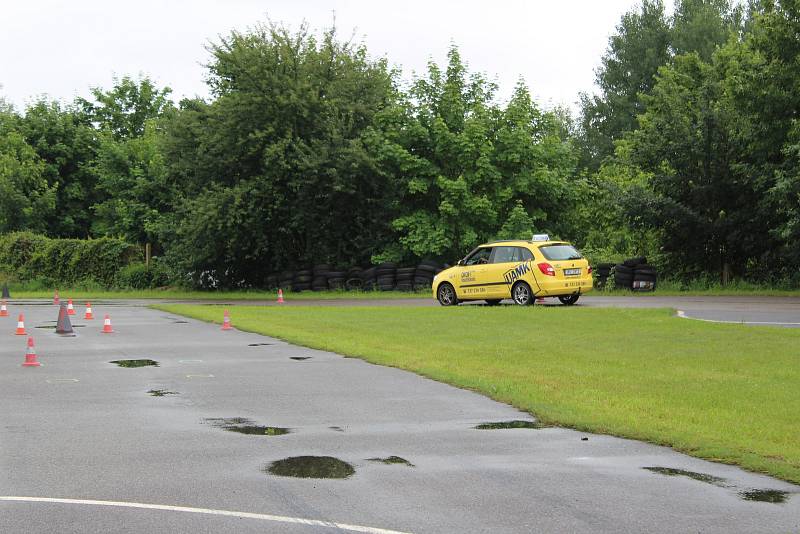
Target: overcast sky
61, 48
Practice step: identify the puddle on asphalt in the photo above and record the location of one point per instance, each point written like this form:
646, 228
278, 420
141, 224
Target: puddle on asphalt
311, 467
245, 426
54, 326
336, 428
258, 344
765, 495
299, 358
509, 424
162, 392
135, 363
180, 322
391, 460
701, 477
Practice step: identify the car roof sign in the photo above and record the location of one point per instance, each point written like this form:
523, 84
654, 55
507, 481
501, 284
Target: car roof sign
540, 237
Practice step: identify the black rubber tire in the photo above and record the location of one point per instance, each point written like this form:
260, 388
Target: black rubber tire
493, 302
569, 300
623, 269
644, 277
522, 294
446, 295
633, 262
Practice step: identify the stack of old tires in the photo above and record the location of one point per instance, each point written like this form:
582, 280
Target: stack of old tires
353, 280
404, 278
386, 272
320, 280
302, 280
285, 279
602, 272
369, 279
636, 274
337, 279
423, 275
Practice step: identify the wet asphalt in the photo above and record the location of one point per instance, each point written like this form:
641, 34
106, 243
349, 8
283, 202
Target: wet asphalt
82, 428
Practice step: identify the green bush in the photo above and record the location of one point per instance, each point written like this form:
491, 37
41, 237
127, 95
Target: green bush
25, 256
140, 276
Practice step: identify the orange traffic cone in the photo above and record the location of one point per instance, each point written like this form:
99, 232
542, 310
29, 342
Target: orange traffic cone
107, 325
280, 296
3, 309
226, 321
21, 325
88, 314
56, 300
30, 356
70, 307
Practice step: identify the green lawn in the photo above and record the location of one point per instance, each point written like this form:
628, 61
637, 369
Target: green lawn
723, 392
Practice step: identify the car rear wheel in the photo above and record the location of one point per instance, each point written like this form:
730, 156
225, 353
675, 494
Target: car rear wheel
522, 294
569, 300
446, 295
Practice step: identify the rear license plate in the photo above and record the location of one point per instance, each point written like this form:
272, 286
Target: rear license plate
572, 272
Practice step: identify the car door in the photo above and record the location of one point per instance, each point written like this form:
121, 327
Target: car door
472, 276
505, 268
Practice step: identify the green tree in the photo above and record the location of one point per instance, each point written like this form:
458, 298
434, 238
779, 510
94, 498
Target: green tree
26, 199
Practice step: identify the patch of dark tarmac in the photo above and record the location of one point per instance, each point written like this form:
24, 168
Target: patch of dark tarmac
311, 467
299, 358
700, 477
499, 425
389, 460
136, 363
162, 392
765, 495
241, 425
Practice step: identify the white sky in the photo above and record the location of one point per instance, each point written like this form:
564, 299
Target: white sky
61, 48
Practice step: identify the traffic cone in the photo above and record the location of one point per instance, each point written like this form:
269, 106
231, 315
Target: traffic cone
21, 325
70, 307
30, 355
280, 296
63, 325
226, 321
88, 315
3, 309
107, 325
56, 300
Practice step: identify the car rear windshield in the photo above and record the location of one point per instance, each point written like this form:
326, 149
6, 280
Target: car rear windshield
560, 252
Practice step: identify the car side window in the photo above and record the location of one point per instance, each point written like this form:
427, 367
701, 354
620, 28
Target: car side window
524, 254
504, 254
479, 257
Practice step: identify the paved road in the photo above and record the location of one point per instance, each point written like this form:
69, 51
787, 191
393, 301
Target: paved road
84, 430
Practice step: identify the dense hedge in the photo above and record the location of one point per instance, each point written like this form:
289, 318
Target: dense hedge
27, 256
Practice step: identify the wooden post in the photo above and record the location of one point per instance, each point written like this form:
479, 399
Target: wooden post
148, 250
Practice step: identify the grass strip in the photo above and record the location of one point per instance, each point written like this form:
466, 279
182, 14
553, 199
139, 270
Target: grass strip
726, 393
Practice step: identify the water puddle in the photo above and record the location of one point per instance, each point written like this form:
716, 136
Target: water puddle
180, 322
54, 326
135, 363
258, 344
162, 392
765, 495
509, 424
701, 477
311, 467
299, 358
245, 426
391, 460
336, 428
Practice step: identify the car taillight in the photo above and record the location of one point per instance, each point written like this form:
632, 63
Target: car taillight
547, 269
590, 270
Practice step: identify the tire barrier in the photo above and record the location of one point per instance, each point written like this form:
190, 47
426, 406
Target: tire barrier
386, 276
635, 274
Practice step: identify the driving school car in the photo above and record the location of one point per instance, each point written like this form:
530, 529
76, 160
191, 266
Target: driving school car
519, 270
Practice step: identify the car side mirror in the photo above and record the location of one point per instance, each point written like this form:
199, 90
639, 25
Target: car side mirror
460, 262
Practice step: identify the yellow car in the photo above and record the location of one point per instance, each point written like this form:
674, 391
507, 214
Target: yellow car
518, 270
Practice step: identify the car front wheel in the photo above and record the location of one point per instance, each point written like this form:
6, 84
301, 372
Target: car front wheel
446, 295
522, 294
